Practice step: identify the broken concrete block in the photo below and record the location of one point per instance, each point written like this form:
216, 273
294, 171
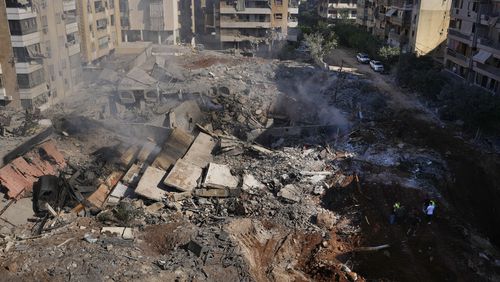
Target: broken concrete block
176, 146
208, 193
149, 184
184, 116
132, 175
250, 183
200, 152
290, 193
183, 176
180, 196
196, 248
124, 232
154, 207
118, 193
220, 177
145, 151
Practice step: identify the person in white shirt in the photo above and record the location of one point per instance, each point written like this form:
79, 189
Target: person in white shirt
429, 208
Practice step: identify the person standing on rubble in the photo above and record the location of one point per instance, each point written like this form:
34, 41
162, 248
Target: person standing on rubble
396, 214
429, 207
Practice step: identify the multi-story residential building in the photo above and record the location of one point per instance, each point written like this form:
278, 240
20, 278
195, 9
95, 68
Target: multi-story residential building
473, 49
338, 9
414, 26
252, 23
46, 55
9, 95
100, 28
158, 21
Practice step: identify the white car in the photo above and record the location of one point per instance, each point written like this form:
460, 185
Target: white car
363, 58
377, 66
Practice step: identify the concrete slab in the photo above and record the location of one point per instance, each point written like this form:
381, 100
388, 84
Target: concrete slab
290, 193
174, 148
183, 176
185, 116
219, 177
200, 152
132, 175
146, 151
250, 183
17, 213
149, 184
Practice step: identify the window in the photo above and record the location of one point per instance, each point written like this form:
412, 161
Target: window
278, 16
102, 24
27, 54
71, 38
98, 6
58, 18
1, 82
278, 2
26, 81
44, 21
23, 27
103, 42
112, 20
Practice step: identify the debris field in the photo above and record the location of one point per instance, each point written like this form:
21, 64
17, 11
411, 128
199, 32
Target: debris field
202, 166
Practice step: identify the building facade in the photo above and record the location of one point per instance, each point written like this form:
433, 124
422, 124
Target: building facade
45, 51
252, 23
415, 26
100, 28
338, 9
9, 94
473, 47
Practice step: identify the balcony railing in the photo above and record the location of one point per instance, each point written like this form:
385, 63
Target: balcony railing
494, 71
457, 33
455, 54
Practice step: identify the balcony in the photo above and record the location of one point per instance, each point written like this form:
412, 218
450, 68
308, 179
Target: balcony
488, 70
457, 57
71, 28
256, 11
457, 35
243, 24
20, 13
488, 45
293, 24
31, 93
73, 49
25, 40
69, 5
293, 10
27, 67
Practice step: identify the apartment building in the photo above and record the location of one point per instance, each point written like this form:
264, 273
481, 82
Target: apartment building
158, 21
252, 23
9, 95
45, 52
338, 9
417, 26
473, 48
100, 28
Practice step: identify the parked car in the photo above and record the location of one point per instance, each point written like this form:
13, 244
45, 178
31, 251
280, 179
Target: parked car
363, 58
377, 66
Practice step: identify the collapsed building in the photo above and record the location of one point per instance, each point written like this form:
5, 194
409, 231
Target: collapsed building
184, 164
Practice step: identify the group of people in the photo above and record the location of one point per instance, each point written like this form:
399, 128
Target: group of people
398, 212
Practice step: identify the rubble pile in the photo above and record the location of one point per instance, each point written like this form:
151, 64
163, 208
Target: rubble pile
238, 169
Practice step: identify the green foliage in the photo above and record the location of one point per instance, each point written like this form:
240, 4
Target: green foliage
389, 54
357, 38
320, 45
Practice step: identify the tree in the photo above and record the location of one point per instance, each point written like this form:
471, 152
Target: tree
389, 54
319, 46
